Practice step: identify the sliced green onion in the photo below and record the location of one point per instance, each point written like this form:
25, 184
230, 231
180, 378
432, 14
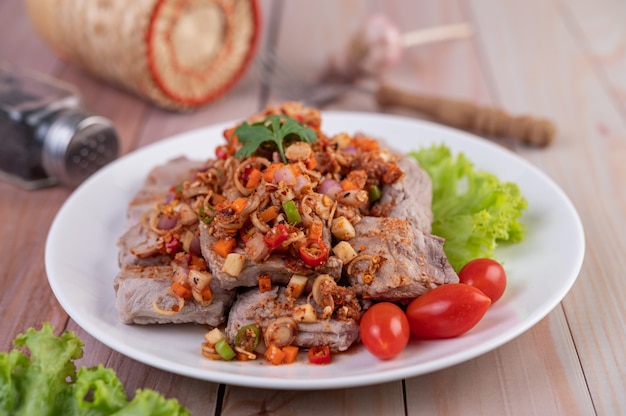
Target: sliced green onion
248, 337
203, 216
293, 216
224, 350
374, 193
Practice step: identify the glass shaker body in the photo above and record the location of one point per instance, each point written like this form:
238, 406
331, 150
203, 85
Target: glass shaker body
46, 138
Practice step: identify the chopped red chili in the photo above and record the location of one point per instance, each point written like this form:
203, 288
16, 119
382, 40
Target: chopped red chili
313, 253
276, 236
319, 354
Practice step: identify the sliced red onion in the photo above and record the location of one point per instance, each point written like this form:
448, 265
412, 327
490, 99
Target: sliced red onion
167, 222
349, 149
285, 175
194, 246
330, 187
301, 182
256, 249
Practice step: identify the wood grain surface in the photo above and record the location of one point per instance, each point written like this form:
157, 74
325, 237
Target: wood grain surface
562, 60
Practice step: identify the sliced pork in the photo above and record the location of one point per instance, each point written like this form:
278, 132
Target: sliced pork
261, 309
396, 261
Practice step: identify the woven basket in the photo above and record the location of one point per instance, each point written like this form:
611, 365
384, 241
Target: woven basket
179, 54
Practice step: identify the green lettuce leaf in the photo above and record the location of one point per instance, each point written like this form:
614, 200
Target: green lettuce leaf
473, 210
45, 382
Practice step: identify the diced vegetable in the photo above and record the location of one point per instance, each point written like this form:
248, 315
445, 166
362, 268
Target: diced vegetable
374, 193
268, 214
204, 216
295, 287
344, 251
254, 178
342, 229
233, 265
348, 185
224, 350
313, 253
291, 211
213, 336
265, 283
276, 236
304, 313
319, 354
291, 354
280, 332
182, 290
274, 354
248, 337
225, 246
239, 204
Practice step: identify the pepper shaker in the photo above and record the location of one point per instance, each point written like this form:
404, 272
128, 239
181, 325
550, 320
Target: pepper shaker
46, 137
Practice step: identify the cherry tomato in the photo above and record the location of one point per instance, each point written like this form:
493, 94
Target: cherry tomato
319, 354
447, 311
485, 274
385, 330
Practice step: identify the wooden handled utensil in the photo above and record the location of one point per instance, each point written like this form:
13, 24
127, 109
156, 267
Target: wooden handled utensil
469, 116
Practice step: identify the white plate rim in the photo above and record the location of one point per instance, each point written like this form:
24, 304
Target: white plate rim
58, 264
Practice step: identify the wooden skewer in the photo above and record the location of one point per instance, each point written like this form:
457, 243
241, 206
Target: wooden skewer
468, 116
436, 34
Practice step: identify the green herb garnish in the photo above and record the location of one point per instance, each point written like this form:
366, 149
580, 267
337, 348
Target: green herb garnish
277, 130
473, 209
45, 381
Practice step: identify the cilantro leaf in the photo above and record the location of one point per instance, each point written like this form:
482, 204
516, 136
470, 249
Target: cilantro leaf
276, 129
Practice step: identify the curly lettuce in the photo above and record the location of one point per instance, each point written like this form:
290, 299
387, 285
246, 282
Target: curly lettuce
46, 382
472, 209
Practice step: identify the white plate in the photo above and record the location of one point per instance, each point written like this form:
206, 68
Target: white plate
81, 262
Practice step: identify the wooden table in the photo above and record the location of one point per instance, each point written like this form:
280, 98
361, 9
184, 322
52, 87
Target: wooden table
564, 60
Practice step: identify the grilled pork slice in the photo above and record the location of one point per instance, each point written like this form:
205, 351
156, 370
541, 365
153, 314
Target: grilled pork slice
262, 309
279, 267
410, 197
396, 260
142, 298
158, 183
138, 245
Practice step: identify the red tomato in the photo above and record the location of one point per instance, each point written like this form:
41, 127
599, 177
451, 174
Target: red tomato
385, 330
447, 311
485, 274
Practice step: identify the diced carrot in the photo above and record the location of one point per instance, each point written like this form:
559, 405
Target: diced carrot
274, 355
239, 204
217, 199
347, 185
254, 178
225, 246
268, 173
265, 283
392, 174
296, 170
315, 230
242, 357
181, 289
269, 213
311, 163
291, 353
197, 263
365, 143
